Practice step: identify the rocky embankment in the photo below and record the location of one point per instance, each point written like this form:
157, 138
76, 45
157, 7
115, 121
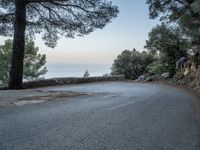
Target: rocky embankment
188, 78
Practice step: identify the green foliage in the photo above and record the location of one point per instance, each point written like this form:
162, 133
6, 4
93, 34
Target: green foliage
185, 13
169, 43
34, 63
5, 60
86, 74
131, 63
156, 68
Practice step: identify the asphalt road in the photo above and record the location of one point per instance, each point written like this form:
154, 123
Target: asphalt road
115, 116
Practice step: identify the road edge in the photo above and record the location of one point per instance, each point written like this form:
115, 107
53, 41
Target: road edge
189, 91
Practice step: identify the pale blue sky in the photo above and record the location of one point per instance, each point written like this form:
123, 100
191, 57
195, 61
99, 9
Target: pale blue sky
128, 31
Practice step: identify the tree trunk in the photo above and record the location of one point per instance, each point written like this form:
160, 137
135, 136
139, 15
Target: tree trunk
16, 71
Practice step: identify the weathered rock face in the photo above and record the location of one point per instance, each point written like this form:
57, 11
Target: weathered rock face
149, 77
165, 75
153, 78
189, 78
143, 77
180, 63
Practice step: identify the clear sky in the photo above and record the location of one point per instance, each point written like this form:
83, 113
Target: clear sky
128, 31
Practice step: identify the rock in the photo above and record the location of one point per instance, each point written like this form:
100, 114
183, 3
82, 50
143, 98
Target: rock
180, 63
153, 78
165, 75
143, 77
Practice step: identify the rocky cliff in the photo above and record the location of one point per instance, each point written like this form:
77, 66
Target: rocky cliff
189, 78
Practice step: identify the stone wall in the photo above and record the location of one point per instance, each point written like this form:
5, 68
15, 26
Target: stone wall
70, 80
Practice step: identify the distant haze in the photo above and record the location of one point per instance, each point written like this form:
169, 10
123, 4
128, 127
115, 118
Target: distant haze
76, 70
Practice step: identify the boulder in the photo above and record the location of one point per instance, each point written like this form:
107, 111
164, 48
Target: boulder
165, 75
143, 77
153, 78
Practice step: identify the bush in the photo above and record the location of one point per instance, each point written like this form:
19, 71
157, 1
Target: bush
156, 68
132, 64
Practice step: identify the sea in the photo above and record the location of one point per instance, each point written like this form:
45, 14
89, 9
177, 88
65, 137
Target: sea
74, 70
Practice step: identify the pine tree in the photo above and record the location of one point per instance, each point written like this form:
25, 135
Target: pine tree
86, 74
34, 63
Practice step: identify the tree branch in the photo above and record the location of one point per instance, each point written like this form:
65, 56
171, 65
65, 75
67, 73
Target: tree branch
40, 1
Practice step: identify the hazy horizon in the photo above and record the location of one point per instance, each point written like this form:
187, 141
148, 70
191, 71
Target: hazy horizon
74, 70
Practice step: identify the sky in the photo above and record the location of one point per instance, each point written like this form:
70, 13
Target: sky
129, 30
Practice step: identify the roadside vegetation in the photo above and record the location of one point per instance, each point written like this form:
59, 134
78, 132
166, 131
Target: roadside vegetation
34, 63
132, 63
172, 46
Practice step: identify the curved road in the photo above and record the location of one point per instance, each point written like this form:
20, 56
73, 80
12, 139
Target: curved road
115, 116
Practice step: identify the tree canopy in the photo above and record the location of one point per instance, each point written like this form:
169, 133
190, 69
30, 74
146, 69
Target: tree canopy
186, 13
86, 74
170, 43
131, 63
53, 18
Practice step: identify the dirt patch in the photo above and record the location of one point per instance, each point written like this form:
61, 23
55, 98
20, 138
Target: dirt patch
50, 97
53, 96
19, 98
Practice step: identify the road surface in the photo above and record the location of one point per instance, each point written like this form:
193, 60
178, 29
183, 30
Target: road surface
114, 116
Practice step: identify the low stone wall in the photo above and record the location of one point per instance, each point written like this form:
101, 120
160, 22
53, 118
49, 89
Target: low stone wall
70, 80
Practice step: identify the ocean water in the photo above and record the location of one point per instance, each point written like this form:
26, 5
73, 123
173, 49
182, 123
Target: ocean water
61, 70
